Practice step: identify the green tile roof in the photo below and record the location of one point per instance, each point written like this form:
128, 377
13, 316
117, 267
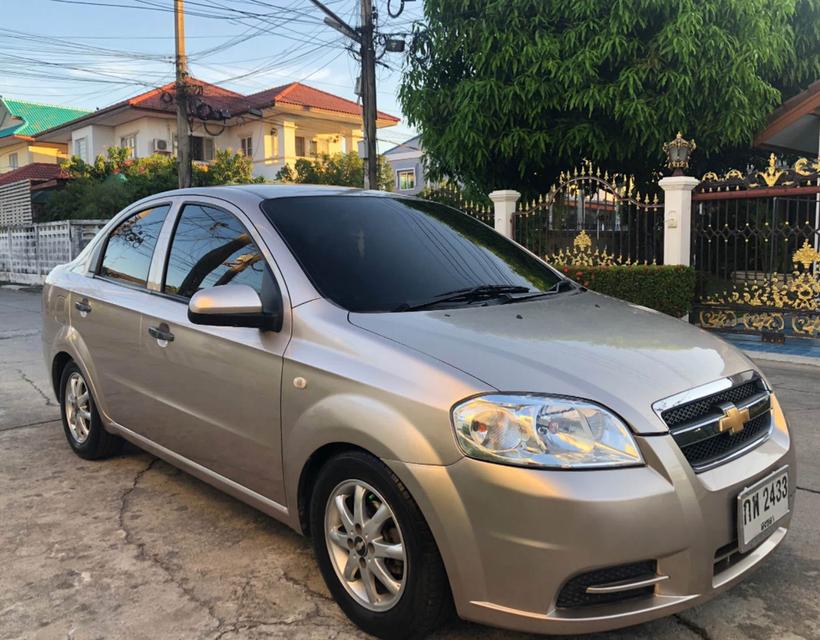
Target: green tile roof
36, 117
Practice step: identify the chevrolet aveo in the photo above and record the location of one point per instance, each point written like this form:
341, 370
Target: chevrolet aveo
452, 421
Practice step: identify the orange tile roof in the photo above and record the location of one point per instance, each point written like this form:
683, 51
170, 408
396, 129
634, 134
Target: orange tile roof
36, 171
298, 94
233, 103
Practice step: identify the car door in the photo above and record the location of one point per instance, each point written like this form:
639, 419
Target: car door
105, 309
214, 392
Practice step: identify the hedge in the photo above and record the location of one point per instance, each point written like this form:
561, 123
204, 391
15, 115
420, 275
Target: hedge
666, 288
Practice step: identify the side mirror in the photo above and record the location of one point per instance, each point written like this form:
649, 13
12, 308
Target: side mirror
232, 305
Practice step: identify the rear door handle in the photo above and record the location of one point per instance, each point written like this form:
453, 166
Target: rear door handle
161, 333
82, 306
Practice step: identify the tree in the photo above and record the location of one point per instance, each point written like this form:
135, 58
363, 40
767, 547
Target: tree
112, 182
509, 92
340, 169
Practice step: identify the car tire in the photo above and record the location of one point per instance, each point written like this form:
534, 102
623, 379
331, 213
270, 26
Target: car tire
423, 601
81, 420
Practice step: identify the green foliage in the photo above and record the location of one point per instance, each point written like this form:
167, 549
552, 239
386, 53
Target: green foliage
509, 92
666, 288
104, 187
340, 169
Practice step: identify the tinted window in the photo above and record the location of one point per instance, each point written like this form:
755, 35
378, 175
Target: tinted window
131, 245
211, 247
371, 253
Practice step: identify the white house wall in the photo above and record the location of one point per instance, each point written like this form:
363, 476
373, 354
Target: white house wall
270, 151
147, 130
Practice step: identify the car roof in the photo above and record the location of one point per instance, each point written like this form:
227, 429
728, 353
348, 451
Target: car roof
270, 191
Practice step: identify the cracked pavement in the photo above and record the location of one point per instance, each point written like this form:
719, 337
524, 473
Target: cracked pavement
132, 548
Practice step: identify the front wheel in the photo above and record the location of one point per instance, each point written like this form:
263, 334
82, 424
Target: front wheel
375, 551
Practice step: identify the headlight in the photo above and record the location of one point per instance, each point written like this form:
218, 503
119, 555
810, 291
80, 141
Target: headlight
543, 431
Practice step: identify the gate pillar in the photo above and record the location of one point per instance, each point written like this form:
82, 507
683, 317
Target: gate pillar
504, 202
677, 218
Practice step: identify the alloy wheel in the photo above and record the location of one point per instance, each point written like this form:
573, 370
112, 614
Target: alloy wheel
77, 402
365, 545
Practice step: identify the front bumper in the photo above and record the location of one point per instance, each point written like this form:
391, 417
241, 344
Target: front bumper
512, 537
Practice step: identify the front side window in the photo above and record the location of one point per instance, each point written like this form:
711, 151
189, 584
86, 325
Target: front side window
211, 247
375, 253
406, 179
130, 143
300, 146
13, 163
130, 246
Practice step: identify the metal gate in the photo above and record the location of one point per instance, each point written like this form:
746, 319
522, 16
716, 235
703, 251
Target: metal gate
756, 246
605, 213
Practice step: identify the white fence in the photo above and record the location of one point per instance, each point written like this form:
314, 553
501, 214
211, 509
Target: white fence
15, 203
29, 251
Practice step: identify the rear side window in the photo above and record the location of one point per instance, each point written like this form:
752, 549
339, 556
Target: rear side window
211, 247
130, 246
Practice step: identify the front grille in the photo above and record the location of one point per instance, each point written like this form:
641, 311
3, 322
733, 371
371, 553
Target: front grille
573, 593
701, 407
695, 425
707, 452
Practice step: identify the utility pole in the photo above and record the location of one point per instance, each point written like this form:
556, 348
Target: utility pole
364, 38
183, 135
368, 55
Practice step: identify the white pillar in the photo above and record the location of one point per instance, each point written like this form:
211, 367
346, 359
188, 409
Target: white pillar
286, 135
677, 218
504, 202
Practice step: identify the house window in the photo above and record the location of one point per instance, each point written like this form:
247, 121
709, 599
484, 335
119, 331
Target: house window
247, 146
13, 162
406, 179
130, 142
202, 149
300, 147
314, 148
81, 148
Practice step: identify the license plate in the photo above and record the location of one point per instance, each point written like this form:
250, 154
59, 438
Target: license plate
760, 507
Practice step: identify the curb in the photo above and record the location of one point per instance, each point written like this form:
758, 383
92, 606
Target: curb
781, 357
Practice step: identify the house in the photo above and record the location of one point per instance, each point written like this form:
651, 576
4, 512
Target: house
794, 127
20, 122
274, 127
25, 191
407, 162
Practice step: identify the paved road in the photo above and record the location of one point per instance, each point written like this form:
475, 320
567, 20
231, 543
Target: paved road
131, 548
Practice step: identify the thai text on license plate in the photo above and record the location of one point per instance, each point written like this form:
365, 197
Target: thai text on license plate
761, 507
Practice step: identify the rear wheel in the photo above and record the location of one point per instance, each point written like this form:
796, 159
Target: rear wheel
375, 551
81, 421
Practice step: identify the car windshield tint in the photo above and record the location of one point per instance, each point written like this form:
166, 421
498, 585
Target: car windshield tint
374, 253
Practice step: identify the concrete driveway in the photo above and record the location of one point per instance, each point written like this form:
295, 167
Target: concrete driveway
132, 548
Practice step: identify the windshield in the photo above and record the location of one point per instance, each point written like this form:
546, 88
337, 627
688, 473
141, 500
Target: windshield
374, 253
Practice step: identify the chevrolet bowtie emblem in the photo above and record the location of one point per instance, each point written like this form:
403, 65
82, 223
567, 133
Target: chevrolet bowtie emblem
733, 419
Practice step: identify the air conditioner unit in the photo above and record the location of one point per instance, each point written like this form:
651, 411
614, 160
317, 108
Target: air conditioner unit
161, 146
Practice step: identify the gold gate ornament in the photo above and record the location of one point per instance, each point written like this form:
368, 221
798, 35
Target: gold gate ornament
798, 291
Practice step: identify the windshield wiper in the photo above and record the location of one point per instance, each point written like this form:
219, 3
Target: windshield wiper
472, 294
558, 287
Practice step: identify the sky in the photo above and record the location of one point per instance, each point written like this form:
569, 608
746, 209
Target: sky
92, 53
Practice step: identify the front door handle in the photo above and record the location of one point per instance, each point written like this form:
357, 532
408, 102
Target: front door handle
161, 333
82, 306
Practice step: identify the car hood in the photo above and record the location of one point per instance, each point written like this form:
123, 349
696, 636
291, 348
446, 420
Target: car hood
581, 344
